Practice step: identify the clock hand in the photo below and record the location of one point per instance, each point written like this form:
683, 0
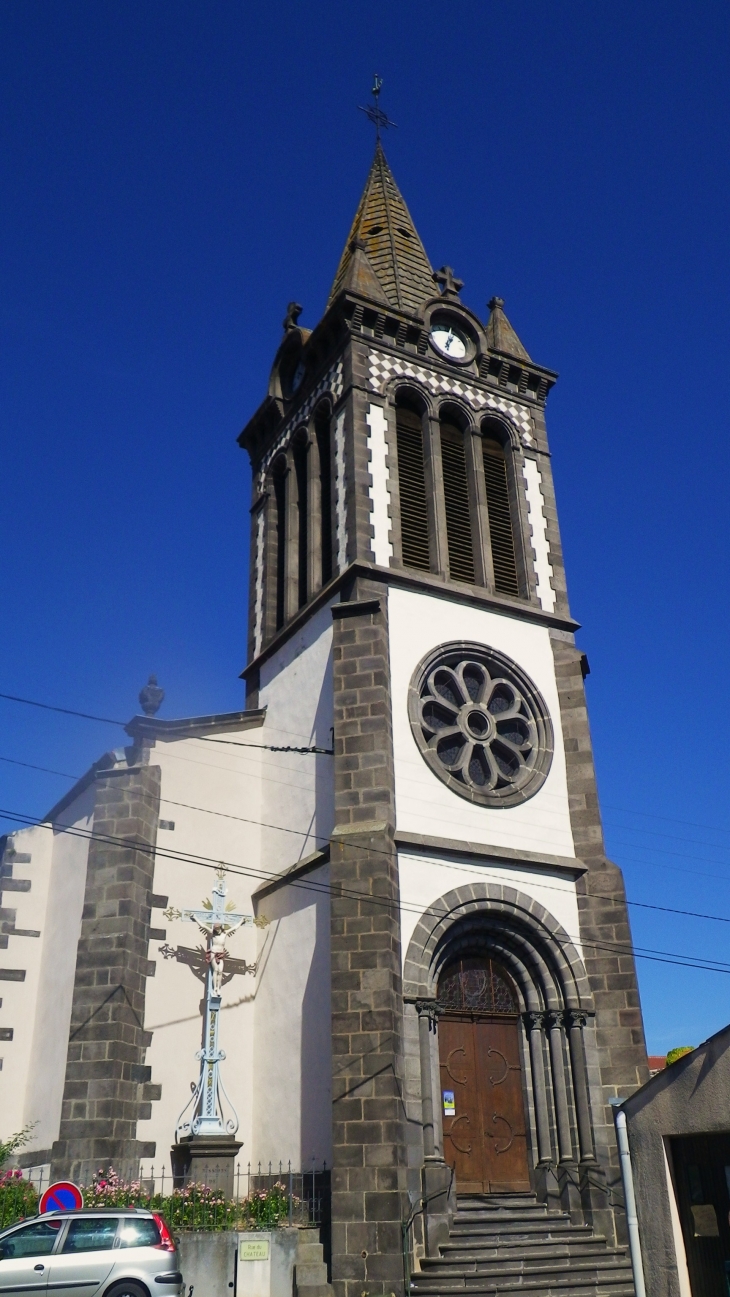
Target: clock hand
449, 339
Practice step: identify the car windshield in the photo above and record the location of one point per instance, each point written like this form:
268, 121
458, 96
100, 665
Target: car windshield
91, 1234
139, 1232
32, 1240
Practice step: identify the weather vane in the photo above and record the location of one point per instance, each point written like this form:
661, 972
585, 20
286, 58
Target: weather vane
375, 113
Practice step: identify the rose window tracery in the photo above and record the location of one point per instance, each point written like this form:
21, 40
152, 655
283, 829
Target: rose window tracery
481, 724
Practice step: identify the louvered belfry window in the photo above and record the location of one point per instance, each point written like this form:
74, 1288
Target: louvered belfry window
300, 469
500, 518
280, 505
412, 489
456, 500
322, 431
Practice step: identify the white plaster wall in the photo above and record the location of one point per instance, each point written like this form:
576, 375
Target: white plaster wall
211, 790
20, 999
297, 792
292, 1044
426, 877
419, 623
378, 489
538, 524
63, 891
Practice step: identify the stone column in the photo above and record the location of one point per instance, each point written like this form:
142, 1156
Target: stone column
481, 539
534, 1024
427, 1011
576, 1021
434, 475
107, 1087
554, 1020
369, 1198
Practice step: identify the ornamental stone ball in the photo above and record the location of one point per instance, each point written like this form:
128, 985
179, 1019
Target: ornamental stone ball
150, 698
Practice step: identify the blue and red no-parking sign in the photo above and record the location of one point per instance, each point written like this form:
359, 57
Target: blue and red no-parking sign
61, 1196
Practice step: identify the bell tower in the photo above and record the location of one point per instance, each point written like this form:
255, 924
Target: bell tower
403, 508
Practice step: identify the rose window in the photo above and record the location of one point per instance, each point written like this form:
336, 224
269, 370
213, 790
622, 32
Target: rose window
481, 724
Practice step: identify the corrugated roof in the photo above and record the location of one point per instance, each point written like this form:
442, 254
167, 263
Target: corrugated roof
394, 250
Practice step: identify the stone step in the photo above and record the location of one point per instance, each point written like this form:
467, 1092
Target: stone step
431, 1267
560, 1231
485, 1212
458, 1256
309, 1253
310, 1269
618, 1284
478, 1244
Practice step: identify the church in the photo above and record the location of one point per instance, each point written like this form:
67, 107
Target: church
425, 979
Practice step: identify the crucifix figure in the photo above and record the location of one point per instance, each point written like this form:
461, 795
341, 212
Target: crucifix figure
217, 920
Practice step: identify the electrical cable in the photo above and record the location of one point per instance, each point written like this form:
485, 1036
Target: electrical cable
106, 720
339, 892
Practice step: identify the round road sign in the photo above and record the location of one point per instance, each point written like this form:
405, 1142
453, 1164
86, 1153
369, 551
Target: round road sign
61, 1196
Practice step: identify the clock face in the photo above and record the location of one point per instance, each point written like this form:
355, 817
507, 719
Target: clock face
449, 340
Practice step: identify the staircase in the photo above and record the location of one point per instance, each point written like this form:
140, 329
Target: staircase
505, 1244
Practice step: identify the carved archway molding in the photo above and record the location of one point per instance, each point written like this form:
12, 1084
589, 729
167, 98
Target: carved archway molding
545, 964
555, 1001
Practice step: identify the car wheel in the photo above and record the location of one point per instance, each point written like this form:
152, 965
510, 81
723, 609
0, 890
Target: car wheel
127, 1288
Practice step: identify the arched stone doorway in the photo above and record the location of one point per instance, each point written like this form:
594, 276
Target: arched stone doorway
554, 1027
483, 1109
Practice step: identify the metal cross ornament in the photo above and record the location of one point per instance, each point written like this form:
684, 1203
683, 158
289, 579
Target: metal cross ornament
375, 113
217, 920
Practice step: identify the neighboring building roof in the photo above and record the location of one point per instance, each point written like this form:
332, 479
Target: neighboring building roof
657, 1063
500, 334
386, 243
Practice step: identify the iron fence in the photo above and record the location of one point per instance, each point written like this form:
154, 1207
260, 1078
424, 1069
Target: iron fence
247, 1196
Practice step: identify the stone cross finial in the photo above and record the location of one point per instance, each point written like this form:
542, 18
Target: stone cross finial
150, 698
449, 285
293, 311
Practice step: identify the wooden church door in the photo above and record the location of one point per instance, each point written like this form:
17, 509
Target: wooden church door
485, 1137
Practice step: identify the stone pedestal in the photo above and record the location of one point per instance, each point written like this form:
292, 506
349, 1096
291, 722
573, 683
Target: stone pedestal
206, 1160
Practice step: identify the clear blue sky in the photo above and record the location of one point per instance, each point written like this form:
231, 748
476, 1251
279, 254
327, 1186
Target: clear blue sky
174, 173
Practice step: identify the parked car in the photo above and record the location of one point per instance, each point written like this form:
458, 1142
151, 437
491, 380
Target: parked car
113, 1251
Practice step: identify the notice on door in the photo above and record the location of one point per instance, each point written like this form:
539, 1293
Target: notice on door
449, 1104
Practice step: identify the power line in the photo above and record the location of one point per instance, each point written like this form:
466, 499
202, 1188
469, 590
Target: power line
62, 773
107, 720
656, 956
66, 711
320, 751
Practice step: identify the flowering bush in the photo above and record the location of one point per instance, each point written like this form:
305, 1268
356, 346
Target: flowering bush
267, 1208
196, 1207
18, 1197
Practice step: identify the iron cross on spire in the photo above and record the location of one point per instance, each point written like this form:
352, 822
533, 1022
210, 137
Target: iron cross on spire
375, 113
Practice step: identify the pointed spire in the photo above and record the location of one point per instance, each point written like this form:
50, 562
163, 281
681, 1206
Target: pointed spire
390, 243
500, 334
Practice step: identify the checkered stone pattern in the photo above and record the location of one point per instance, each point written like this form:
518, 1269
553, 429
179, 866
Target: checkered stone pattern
332, 384
383, 368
